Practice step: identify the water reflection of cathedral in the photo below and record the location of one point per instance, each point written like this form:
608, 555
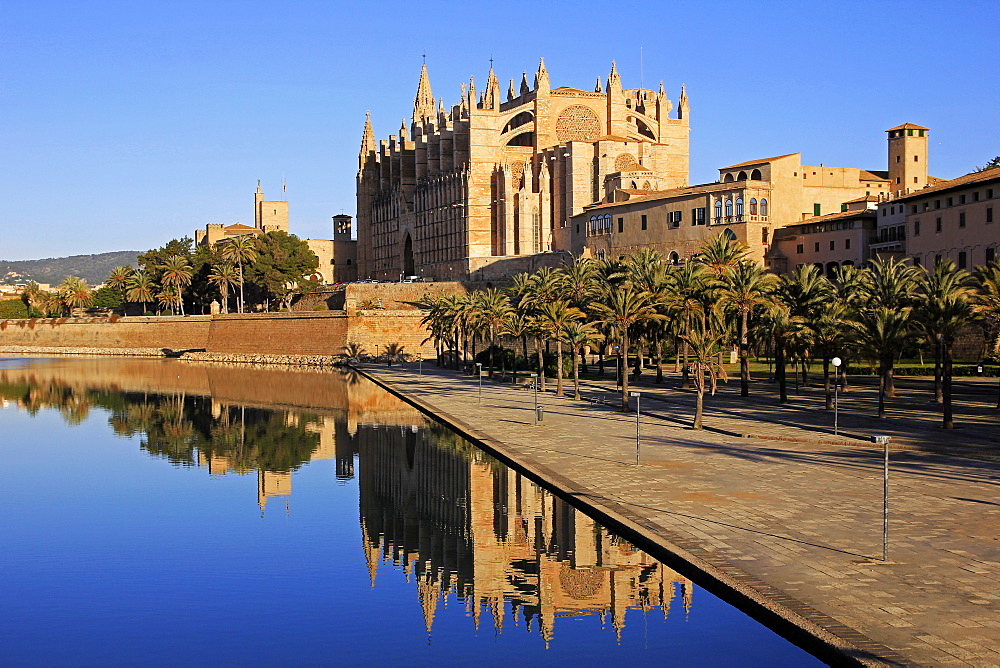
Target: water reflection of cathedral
459, 523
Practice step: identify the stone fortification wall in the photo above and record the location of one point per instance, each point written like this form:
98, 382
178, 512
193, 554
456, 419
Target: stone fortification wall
307, 333
315, 333
165, 332
404, 296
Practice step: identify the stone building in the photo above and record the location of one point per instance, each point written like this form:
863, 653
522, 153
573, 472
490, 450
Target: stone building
474, 190
758, 202
337, 256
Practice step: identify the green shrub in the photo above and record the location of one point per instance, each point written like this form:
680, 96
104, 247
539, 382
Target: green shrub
13, 308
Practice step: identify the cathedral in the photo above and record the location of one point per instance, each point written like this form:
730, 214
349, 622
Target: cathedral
486, 189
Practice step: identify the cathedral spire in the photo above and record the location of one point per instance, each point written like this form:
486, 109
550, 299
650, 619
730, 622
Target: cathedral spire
491, 98
598, 88
367, 142
423, 103
682, 104
542, 77
614, 81
472, 92
524, 83
403, 132
510, 91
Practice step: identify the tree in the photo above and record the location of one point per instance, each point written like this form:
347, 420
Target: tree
118, 281
746, 286
554, 318
176, 274
621, 308
704, 349
882, 333
889, 284
992, 164
578, 334
494, 308
944, 306
75, 293
223, 277
141, 288
987, 305
241, 250
282, 266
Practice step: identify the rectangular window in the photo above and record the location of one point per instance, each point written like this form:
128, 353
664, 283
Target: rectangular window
847, 244
961, 199
833, 245
621, 224
799, 249
961, 219
643, 222
991, 254
816, 209
962, 262
927, 205
937, 204
937, 224
700, 215
817, 247
913, 209
951, 201
989, 214
975, 196
989, 193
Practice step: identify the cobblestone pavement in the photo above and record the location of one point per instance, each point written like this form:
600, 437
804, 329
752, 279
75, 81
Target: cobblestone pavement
791, 511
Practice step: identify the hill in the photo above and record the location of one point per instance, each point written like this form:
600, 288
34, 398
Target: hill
92, 268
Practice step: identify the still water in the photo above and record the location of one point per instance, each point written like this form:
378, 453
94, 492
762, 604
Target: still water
161, 512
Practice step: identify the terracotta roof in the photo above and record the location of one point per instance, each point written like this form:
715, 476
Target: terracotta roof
238, 227
759, 162
908, 126
636, 167
968, 179
857, 213
870, 175
575, 90
866, 198
612, 138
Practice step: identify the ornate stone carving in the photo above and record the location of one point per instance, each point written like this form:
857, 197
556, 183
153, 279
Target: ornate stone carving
578, 123
625, 162
517, 175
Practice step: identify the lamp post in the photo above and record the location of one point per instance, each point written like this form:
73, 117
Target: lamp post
636, 395
420, 361
884, 440
376, 353
534, 387
479, 372
836, 361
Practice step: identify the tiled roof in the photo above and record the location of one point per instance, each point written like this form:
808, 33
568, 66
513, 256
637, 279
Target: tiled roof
857, 213
968, 179
908, 126
866, 198
759, 162
238, 227
869, 175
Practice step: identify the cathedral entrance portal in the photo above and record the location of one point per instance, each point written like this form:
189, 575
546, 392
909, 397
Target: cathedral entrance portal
408, 264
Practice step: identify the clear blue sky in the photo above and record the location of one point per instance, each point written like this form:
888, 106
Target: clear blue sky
126, 124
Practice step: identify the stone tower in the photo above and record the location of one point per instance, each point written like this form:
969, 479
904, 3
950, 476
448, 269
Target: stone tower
907, 158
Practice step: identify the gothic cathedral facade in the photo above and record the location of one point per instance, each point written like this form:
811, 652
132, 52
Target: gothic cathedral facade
484, 189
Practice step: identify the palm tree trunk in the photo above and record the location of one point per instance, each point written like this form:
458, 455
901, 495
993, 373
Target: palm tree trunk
241, 285
938, 396
658, 347
541, 364
576, 374
699, 400
559, 368
779, 370
685, 372
624, 358
493, 343
949, 422
826, 382
744, 356
884, 374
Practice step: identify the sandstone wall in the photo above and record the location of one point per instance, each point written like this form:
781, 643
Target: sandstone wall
169, 332
306, 333
383, 327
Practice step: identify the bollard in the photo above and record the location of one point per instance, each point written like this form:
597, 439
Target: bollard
538, 414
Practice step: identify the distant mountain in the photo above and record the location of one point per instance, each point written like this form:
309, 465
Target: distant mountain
92, 268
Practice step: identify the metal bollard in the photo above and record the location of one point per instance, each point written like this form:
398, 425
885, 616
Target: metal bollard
538, 414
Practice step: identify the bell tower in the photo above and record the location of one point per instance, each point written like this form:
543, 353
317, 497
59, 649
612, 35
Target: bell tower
907, 158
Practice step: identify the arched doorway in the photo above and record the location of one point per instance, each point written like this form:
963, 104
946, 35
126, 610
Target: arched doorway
408, 264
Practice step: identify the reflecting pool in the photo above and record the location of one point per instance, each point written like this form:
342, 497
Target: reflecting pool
166, 512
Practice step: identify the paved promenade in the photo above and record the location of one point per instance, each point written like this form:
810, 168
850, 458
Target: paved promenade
770, 503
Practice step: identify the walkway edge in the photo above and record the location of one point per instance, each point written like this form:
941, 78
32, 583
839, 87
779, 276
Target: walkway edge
817, 633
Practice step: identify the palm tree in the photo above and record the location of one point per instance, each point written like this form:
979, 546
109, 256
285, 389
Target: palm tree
75, 293
33, 297
578, 334
223, 277
168, 298
944, 306
704, 348
779, 322
883, 332
829, 335
746, 286
393, 351
805, 291
494, 308
140, 289
891, 285
553, 319
518, 326
176, 275
987, 304
686, 284
118, 278
241, 250
621, 308
353, 350
721, 254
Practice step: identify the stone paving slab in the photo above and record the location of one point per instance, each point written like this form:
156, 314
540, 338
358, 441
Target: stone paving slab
793, 526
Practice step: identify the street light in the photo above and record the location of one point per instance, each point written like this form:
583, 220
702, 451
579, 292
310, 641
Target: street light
836, 361
420, 360
376, 353
479, 372
636, 395
884, 440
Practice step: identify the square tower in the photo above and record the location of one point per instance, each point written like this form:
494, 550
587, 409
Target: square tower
907, 158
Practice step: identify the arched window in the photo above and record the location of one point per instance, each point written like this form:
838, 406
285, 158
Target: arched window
729, 208
729, 234
742, 176
753, 206
739, 208
718, 210
755, 175
607, 222
763, 207
728, 178
675, 259
593, 225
